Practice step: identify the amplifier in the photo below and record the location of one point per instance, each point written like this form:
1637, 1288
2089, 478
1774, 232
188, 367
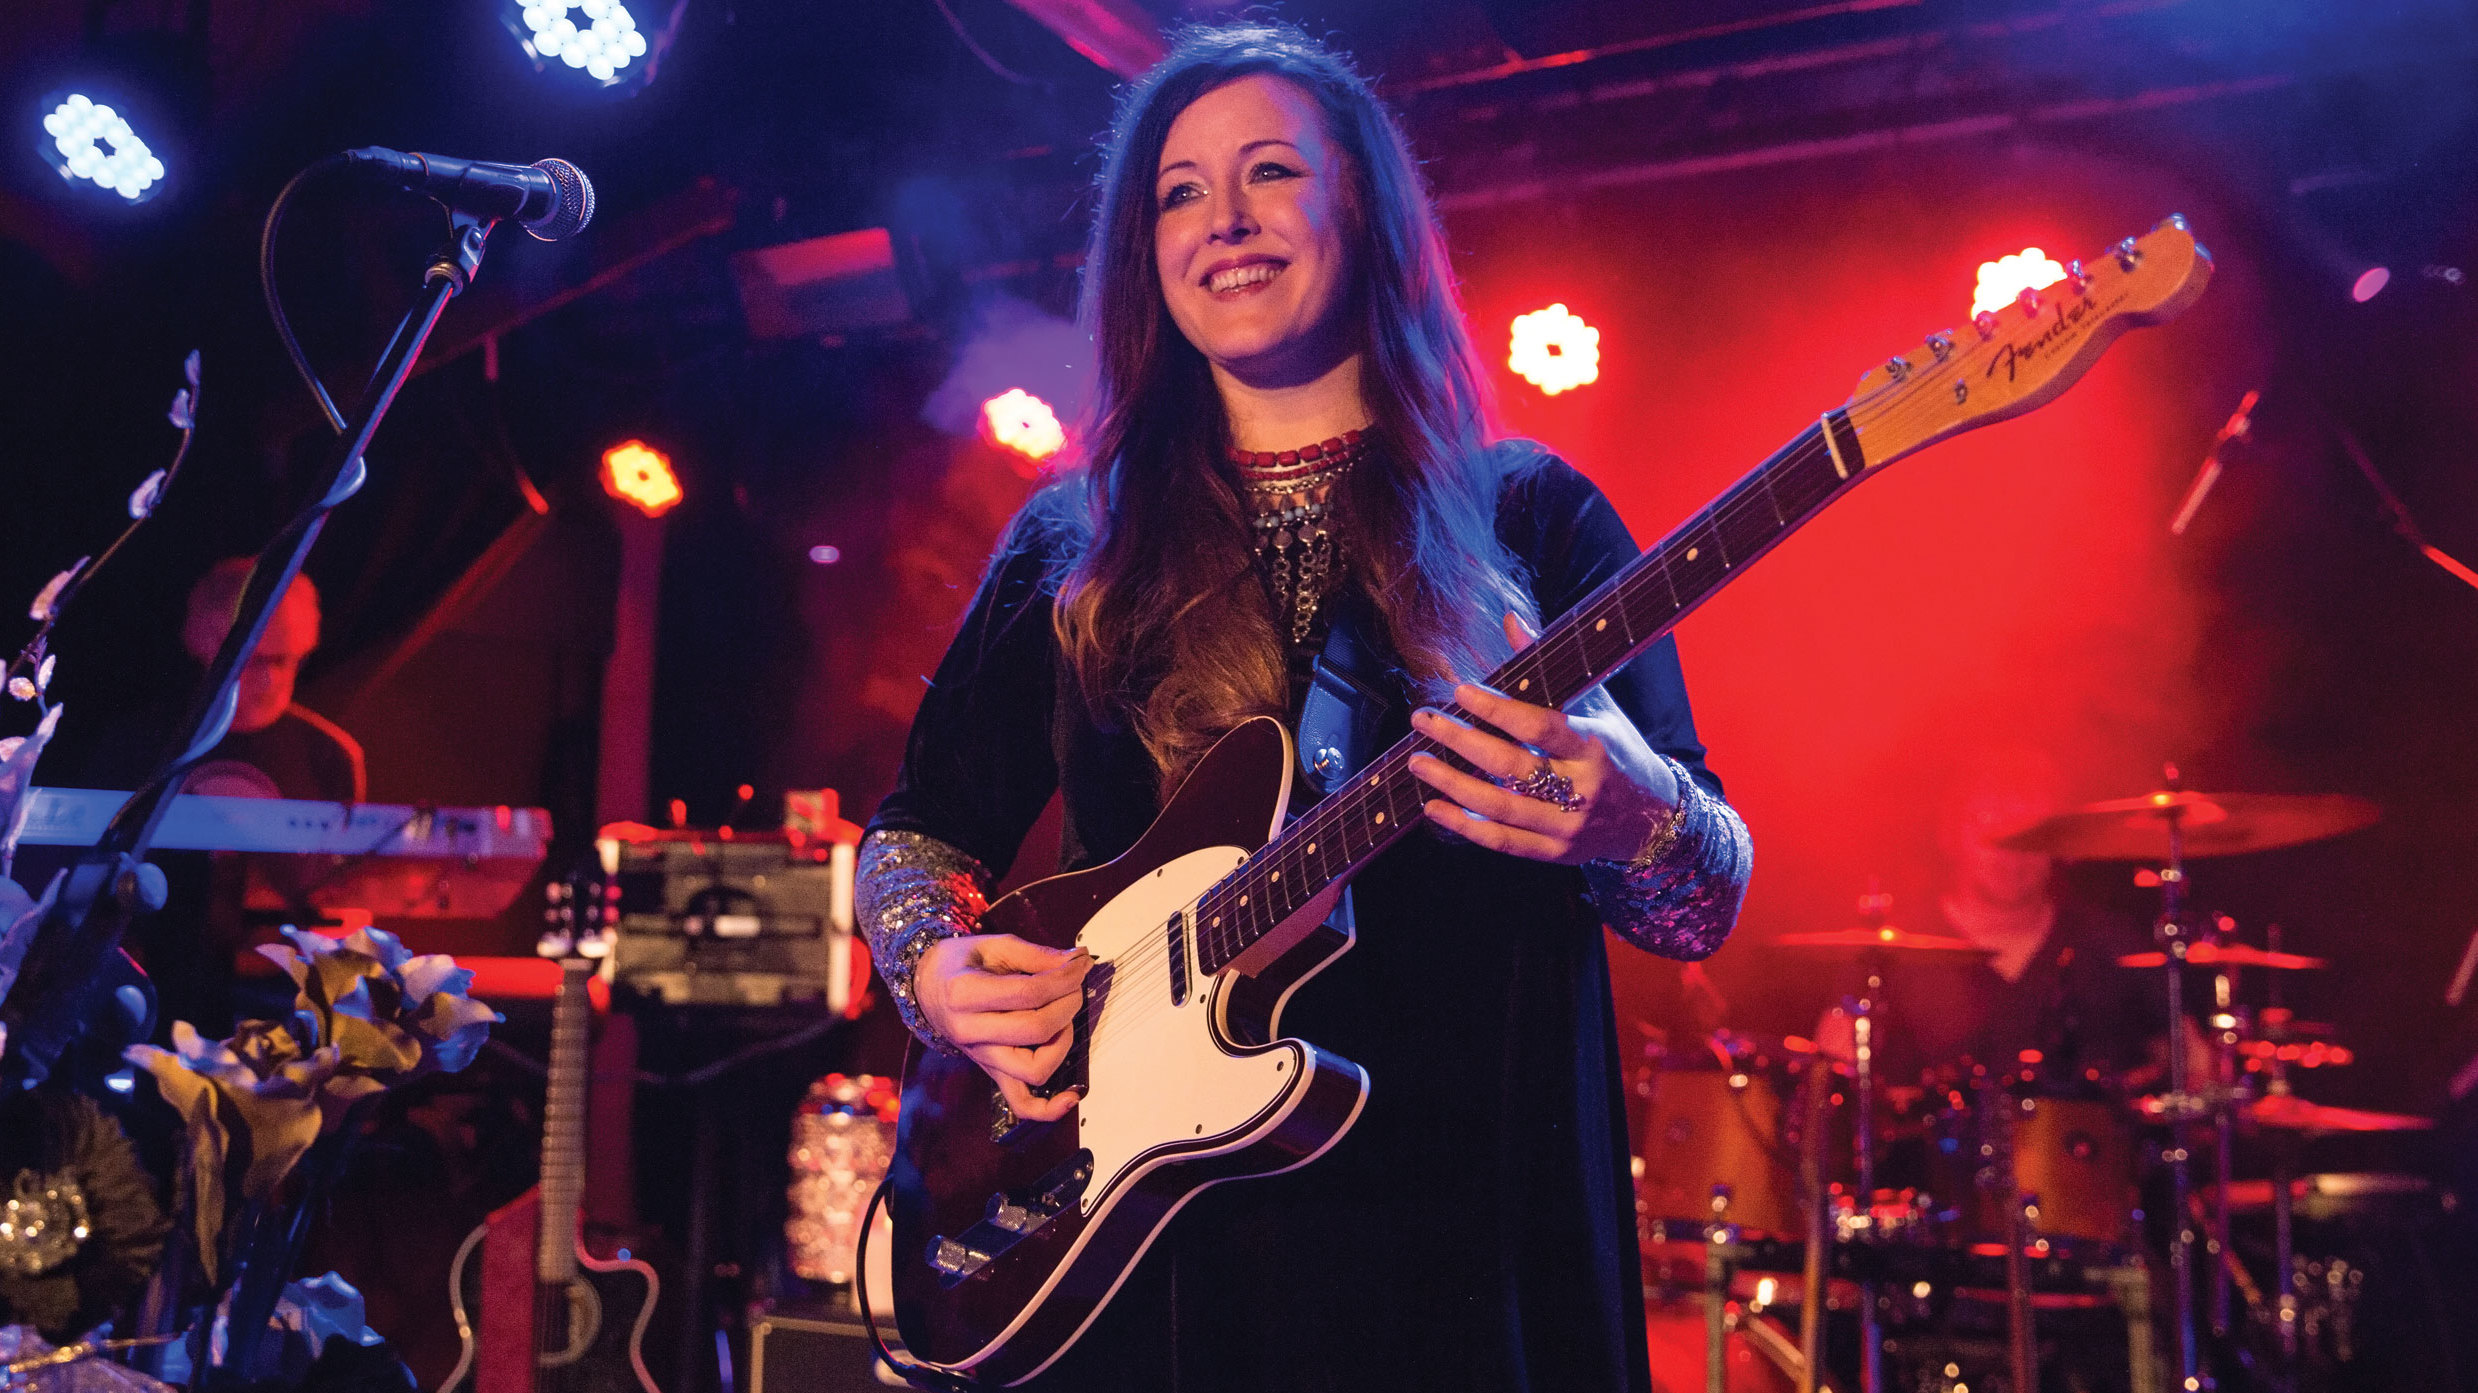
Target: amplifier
822, 1352
753, 920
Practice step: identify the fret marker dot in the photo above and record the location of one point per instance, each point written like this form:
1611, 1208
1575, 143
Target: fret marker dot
1690, 552
1523, 686
1277, 875
1380, 817
1217, 921
1311, 848
1603, 624
1243, 899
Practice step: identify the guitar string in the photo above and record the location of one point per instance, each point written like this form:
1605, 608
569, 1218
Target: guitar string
1754, 494
1897, 402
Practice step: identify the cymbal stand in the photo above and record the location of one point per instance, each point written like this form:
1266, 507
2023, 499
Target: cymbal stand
2171, 933
1863, 1022
1813, 1283
2219, 1243
2284, 1204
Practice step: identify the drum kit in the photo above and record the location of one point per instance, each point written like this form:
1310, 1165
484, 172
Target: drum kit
1945, 1223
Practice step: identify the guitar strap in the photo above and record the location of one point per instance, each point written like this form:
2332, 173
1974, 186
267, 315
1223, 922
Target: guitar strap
1350, 690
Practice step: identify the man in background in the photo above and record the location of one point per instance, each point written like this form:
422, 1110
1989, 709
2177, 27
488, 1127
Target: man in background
277, 748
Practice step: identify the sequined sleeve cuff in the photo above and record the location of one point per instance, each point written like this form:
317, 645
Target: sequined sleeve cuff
911, 890
1679, 897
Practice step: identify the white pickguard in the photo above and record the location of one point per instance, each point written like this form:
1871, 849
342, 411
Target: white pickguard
1157, 1076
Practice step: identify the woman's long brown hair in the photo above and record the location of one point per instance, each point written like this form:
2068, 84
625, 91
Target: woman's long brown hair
1162, 621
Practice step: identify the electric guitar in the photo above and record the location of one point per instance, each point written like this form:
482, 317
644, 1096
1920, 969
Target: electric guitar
584, 1330
1010, 1237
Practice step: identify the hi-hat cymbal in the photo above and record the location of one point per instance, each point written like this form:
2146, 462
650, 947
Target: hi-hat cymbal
2228, 955
2209, 824
1883, 936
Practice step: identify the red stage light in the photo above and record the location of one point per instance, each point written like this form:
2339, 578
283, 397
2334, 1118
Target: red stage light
1554, 350
637, 474
2370, 284
2003, 280
1023, 423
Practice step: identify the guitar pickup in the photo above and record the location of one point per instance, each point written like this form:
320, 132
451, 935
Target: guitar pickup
1009, 1220
1072, 1071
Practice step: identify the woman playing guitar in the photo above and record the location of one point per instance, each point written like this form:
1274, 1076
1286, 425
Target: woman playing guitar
1292, 433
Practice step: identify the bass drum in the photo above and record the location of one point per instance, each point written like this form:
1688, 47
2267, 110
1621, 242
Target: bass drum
2079, 1155
1730, 1118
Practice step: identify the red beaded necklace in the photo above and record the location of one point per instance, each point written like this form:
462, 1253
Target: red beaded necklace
1265, 469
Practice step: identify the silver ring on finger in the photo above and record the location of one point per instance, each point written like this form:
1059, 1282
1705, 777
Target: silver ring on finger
1546, 785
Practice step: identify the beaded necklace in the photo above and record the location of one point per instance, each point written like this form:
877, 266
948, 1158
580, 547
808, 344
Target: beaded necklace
1289, 493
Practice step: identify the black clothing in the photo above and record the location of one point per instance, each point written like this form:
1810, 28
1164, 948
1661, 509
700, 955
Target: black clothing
1473, 1230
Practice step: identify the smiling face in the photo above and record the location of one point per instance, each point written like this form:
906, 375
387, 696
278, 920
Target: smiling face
1250, 238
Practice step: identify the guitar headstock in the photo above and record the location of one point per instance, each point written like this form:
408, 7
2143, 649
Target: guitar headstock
580, 915
2009, 360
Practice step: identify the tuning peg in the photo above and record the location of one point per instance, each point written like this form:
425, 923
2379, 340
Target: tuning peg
1897, 368
1941, 345
2128, 254
1985, 322
2078, 278
2028, 300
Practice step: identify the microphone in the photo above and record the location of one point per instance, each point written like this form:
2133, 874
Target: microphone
2240, 426
552, 198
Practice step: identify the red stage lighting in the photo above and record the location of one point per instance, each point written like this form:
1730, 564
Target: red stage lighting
2370, 283
1023, 423
637, 474
2003, 280
1554, 350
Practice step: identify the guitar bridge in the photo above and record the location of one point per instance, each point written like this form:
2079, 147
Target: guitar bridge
1009, 1220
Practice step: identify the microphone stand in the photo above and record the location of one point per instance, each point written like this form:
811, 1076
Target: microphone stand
109, 885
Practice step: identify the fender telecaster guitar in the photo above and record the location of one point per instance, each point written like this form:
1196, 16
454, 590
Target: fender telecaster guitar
1009, 1237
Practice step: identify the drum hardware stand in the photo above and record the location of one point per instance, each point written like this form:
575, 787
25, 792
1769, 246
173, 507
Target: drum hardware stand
2021, 1231
2284, 1205
2171, 932
1812, 1274
2224, 1025
1863, 1022
1720, 1264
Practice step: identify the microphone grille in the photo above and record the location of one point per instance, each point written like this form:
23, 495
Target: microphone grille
575, 205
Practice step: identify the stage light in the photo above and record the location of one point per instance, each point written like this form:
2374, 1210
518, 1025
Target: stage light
2002, 281
84, 139
2370, 283
1554, 350
599, 38
1023, 423
639, 475
825, 555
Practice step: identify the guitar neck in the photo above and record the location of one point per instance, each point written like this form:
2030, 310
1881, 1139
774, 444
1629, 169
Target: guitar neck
563, 1126
1602, 633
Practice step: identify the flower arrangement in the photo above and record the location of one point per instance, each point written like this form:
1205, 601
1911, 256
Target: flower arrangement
367, 1015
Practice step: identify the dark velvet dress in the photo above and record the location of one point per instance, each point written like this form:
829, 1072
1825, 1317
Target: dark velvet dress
1475, 1229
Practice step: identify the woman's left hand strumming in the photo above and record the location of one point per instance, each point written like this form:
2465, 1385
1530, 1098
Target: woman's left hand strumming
1577, 788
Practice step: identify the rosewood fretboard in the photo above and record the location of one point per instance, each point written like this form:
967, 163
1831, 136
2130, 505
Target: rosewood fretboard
1602, 633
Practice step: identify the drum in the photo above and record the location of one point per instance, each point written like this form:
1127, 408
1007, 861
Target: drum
2078, 1155
1732, 1119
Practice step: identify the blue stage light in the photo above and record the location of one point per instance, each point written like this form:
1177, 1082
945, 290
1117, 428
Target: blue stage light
599, 38
86, 140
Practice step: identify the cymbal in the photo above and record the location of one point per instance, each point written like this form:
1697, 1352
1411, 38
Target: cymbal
2228, 955
2210, 824
2286, 1112
1883, 937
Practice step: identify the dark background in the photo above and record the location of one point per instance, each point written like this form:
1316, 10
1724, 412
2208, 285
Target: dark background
1754, 202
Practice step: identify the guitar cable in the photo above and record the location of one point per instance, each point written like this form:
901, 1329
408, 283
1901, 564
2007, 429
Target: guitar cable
914, 1372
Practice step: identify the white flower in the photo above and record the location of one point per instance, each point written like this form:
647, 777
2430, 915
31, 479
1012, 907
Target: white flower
144, 497
43, 674
41, 609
